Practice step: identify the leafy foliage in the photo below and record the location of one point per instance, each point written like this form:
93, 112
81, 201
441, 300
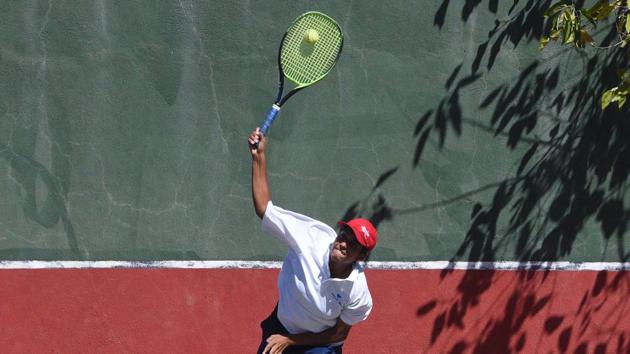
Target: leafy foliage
573, 26
618, 94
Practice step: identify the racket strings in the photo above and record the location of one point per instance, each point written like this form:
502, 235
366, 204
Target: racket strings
323, 56
304, 65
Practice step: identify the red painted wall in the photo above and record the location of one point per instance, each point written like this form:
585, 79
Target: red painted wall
218, 311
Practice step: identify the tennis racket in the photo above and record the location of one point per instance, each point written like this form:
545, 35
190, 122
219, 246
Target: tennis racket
308, 51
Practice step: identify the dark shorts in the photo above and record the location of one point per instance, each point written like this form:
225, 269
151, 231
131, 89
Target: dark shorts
271, 325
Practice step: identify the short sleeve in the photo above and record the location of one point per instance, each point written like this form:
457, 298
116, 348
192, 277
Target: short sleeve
296, 230
357, 311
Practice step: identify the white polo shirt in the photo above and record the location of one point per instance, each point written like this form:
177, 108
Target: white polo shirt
310, 300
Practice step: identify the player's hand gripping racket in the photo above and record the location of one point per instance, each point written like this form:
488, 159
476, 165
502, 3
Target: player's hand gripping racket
308, 51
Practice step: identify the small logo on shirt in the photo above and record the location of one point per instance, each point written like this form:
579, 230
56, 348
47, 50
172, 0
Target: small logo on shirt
365, 231
337, 298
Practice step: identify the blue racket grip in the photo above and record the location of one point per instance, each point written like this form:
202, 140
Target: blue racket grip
271, 115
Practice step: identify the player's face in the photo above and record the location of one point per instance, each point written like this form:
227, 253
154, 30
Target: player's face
346, 249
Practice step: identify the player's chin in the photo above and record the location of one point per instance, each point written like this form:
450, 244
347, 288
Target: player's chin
338, 255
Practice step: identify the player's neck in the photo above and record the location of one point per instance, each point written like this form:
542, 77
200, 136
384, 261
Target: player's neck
339, 270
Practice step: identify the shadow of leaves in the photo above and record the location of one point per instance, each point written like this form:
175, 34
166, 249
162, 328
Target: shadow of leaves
574, 172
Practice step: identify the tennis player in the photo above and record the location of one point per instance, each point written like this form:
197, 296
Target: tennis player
323, 289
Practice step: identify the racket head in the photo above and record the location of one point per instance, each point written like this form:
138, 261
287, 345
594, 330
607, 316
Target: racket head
304, 63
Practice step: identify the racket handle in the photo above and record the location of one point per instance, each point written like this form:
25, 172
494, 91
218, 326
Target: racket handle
271, 115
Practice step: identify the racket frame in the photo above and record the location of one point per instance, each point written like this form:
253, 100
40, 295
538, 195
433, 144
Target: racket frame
280, 100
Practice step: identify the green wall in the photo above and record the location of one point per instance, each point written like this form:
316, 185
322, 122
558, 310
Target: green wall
123, 130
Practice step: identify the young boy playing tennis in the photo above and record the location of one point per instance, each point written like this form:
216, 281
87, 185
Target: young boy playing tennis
323, 289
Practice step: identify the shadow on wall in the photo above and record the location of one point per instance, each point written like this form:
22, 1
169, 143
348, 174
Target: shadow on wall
582, 164
27, 172
574, 174
532, 311
579, 172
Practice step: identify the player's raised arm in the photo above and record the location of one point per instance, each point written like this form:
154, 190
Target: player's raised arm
260, 185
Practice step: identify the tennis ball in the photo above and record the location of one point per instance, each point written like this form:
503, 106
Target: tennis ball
311, 36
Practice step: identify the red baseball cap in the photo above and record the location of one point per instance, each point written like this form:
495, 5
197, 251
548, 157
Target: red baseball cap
364, 232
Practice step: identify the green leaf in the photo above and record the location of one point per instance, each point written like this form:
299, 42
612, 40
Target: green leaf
627, 22
601, 9
571, 37
607, 97
604, 12
597, 6
568, 32
555, 34
543, 43
621, 102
